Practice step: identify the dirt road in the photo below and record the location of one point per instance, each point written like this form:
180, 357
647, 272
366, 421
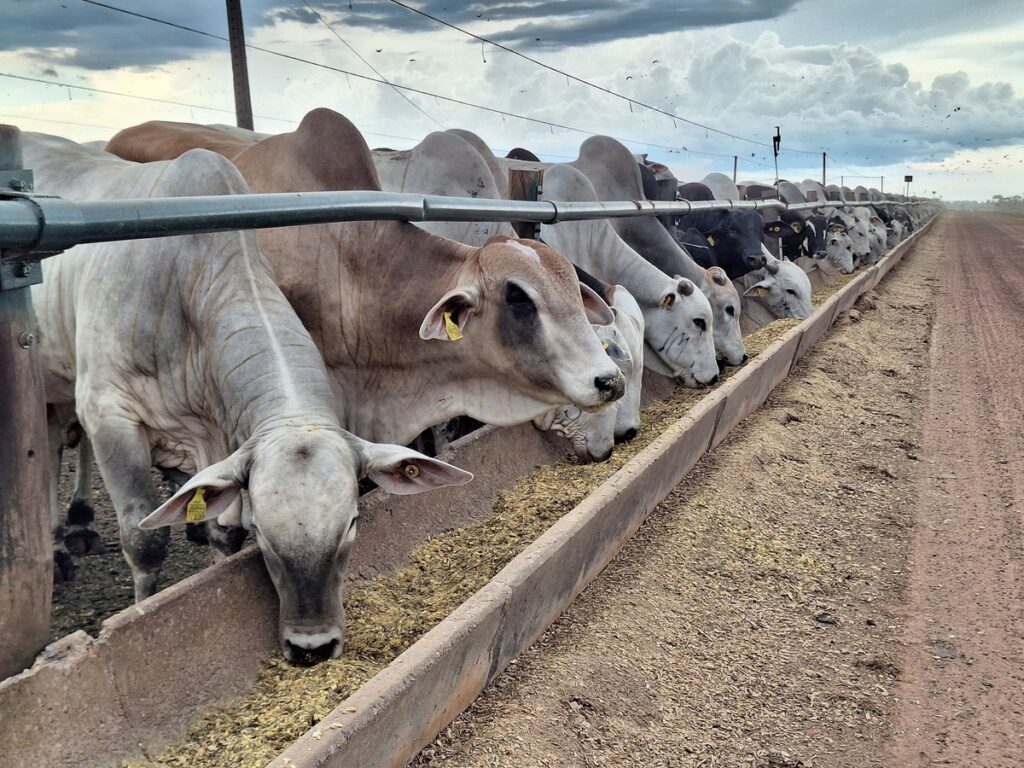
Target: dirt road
962, 688
839, 583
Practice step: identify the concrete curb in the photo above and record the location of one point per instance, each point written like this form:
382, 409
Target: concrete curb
402, 709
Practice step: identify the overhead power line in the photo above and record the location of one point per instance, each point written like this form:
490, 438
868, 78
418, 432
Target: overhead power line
380, 81
373, 69
591, 84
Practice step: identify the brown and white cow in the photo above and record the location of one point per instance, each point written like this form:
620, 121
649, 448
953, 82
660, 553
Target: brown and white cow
415, 329
182, 353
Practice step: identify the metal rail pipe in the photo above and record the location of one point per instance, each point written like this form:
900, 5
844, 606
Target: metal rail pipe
45, 225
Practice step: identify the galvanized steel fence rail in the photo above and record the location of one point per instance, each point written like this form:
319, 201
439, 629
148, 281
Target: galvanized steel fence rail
44, 225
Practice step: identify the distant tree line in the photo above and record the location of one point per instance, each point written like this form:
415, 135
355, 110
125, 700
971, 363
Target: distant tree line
1006, 203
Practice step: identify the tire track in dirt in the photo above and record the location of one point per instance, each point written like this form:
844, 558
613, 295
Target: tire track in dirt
962, 688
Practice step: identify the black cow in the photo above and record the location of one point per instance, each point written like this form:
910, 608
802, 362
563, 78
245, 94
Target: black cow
734, 237
799, 235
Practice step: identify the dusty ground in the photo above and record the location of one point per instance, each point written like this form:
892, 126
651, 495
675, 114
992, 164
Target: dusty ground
839, 584
103, 583
962, 689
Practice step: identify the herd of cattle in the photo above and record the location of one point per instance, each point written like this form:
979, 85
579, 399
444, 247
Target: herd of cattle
294, 361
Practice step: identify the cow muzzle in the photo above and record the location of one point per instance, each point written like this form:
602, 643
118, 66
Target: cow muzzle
610, 386
754, 260
309, 648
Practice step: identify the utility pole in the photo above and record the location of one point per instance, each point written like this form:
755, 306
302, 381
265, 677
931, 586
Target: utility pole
239, 68
735, 162
881, 184
776, 143
823, 182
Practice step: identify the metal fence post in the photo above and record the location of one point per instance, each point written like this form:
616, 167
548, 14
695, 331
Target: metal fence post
26, 551
525, 184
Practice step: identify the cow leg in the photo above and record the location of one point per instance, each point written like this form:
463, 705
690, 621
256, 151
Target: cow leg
80, 538
63, 564
123, 456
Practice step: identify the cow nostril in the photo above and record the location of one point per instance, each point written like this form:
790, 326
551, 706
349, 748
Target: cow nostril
597, 458
308, 657
745, 357
626, 436
611, 384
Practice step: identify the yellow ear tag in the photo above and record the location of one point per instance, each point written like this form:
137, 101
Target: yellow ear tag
451, 327
411, 471
195, 512
762, 292
605, 346
711, 240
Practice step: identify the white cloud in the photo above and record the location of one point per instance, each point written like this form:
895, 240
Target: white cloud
876, 115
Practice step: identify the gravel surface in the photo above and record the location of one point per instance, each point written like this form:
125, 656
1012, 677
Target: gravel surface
750, 622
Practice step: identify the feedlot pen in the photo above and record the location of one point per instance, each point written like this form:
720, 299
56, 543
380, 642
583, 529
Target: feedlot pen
839, 583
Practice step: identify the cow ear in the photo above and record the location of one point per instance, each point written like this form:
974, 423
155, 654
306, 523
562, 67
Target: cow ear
759, 290
446, 320
598, 313
403, 471
215, 492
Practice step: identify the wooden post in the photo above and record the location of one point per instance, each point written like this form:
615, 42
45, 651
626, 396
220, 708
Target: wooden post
823, 182
239, 67
735, 162
525, 184
26, 549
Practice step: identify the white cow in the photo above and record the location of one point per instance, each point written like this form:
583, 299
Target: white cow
182, 353
593, 435
613, 174
780, 290
677, 318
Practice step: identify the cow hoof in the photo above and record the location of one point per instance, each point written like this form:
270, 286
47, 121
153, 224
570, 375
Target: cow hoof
83, 542
64, 567
196, 533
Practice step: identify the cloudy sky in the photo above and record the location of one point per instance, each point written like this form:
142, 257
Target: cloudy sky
928, 87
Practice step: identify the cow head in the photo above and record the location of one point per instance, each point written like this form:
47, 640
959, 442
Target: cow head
857, 229
592, 434
726, 307
796, 234
838, 247
679, 334
302, 490
521, 315
736, 240
785, 290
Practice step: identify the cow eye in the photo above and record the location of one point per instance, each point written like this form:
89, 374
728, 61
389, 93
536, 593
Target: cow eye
701, 323
791, 291
517, 298
730, 310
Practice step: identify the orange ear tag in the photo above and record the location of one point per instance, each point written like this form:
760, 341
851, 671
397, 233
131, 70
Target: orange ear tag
451, 327
195, 512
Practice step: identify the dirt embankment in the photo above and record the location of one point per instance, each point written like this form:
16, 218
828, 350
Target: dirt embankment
749, 623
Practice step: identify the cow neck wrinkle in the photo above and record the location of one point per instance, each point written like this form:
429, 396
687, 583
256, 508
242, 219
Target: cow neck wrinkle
253, 336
